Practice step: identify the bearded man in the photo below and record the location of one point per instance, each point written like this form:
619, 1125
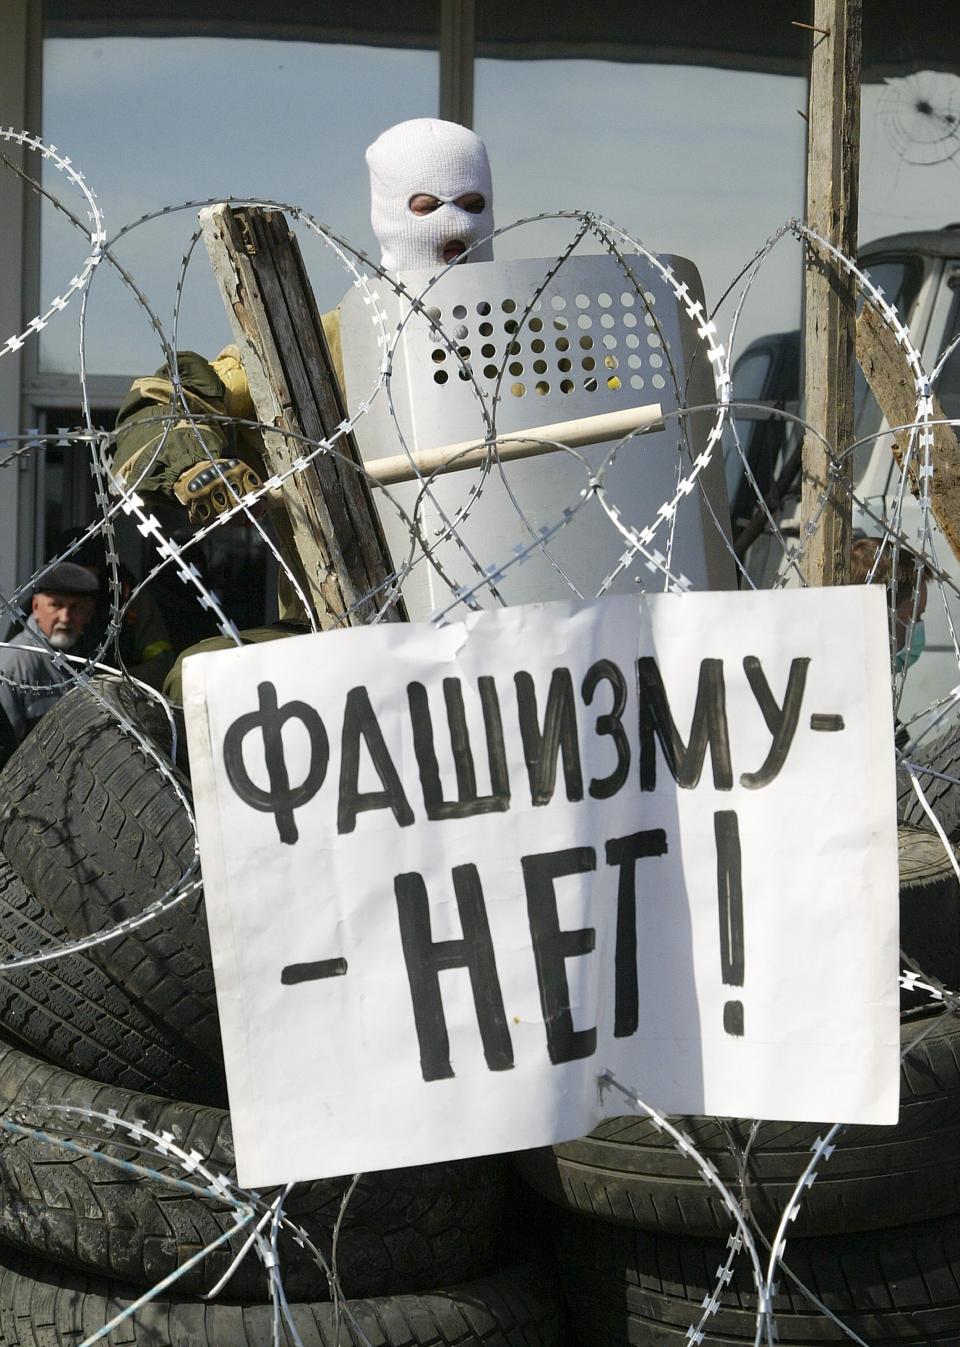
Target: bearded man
64, 600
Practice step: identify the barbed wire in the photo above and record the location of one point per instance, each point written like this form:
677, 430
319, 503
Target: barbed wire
649, 541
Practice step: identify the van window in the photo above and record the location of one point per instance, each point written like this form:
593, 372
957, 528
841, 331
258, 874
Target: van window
898, 277
750, 380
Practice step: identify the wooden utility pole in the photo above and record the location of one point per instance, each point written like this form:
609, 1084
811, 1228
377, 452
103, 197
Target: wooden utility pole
829, 330
329, 529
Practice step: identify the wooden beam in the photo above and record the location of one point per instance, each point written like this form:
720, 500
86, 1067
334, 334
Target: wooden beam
331, 534
892, 383
833, 160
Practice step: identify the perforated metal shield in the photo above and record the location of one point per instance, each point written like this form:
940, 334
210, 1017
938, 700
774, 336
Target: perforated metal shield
523, 350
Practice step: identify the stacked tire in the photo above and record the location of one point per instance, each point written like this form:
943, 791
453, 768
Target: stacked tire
940, 784
642, 1239
111, 1072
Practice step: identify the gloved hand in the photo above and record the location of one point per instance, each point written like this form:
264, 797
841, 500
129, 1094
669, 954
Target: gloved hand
157, 442
203, 490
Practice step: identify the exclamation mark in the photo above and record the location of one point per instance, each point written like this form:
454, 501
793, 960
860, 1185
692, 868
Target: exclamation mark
730, 894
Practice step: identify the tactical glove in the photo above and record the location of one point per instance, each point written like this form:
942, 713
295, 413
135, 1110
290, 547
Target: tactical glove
204, 488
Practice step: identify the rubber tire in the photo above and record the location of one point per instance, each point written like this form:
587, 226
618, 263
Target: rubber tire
929, 908
628, 1173
892, 1286
943, 755
404, 1229
96, 832
68, 1011
51, 1307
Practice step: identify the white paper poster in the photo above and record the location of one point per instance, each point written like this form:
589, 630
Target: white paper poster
455, 874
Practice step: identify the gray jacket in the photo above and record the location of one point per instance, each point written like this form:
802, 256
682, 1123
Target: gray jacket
26, 660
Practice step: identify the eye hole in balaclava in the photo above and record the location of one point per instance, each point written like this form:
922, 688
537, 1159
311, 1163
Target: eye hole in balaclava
430, 190
422, 204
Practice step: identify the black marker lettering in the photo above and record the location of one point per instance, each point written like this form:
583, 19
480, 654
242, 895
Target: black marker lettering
426, 958
781, 721
625, 852
601, 788
359, 722
468, 802
709, 726
730, 897
281, 799
294, 973
552, 946
559, 735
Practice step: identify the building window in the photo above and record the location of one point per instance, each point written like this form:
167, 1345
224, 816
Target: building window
154, 122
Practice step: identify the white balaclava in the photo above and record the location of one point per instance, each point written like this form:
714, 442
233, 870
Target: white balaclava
433, 158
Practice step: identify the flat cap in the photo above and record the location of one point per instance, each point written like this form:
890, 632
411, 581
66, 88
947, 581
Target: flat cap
66, 578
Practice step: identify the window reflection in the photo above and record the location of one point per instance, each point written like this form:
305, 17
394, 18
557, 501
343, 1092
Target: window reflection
156, 122
701, 162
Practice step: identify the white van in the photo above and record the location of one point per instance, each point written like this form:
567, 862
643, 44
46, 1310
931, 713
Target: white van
920, 274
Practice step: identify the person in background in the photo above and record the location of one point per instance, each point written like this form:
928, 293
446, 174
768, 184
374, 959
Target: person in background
900, 588
64, 601
143, 644
910, 635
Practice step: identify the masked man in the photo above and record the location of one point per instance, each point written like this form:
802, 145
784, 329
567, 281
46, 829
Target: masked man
431, 196
431, 203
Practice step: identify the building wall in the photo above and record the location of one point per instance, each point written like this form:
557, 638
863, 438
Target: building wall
14, 301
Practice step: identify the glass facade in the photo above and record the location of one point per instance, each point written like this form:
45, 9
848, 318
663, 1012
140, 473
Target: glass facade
156, 122
700, 160
697, 161
152, 123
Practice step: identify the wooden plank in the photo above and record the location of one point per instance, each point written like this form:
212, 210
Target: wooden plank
892, 383
833, 158
333, 537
